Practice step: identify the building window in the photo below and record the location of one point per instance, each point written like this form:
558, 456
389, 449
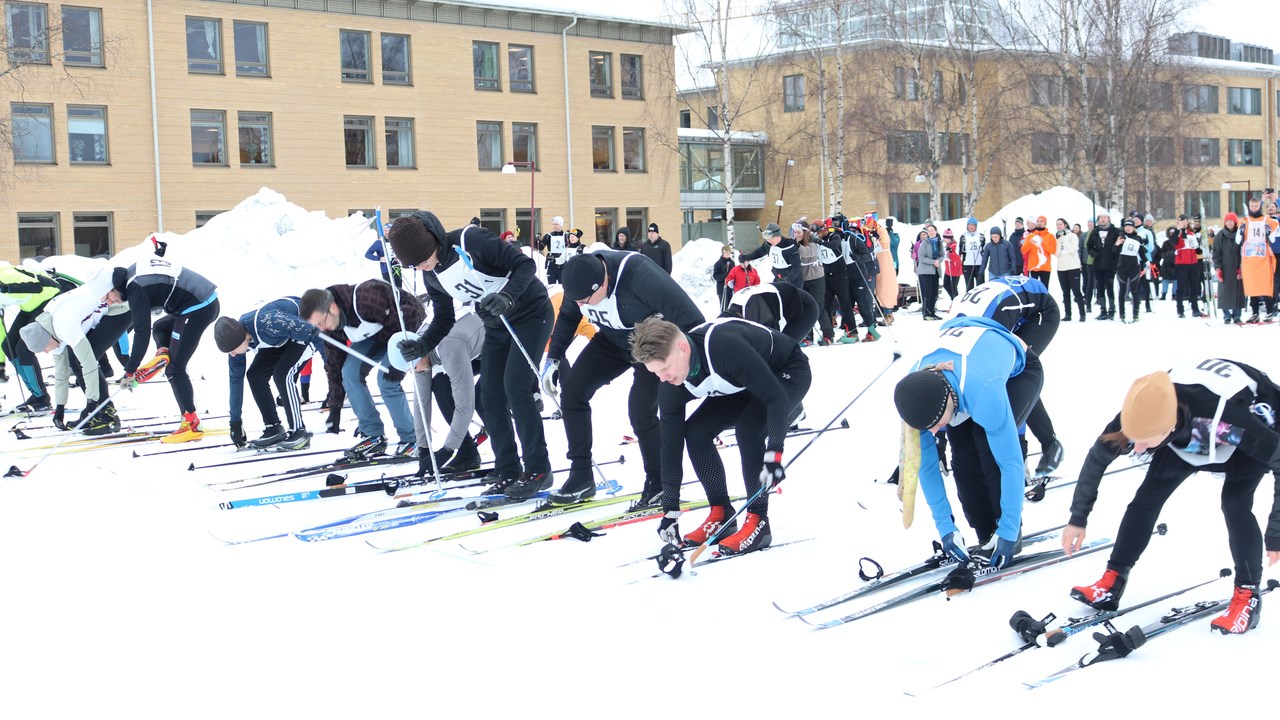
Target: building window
1157, 96
494, 220
81, 36
251, 49
484, 62
87, 134
1238, 202
208, 137
37, 235
602, 148
204, 45
686, 119
748, 169
1200, 99
1244, 152
520, 68
204, 216
713, 119
358, 141
400, 142
600, 67
905, 84
606, 225
952, 206
1046, 148
637, 223
633, 149
906, 147
395, 60
256, 147
528, 236
93, 234
524, 143
632, 69
1244, 101
28, 33
1046, 90
489, 145
1160, 207
355, 55
909, 208
1200, 151
32, 133
1159, 152
1204, 203
951, 147
793, 93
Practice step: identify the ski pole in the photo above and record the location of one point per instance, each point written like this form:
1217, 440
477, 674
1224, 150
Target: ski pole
693, 559
15, 471
875, 303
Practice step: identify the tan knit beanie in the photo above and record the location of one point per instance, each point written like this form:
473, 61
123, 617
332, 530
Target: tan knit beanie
1151, 407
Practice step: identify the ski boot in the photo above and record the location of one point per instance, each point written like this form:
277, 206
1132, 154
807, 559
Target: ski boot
405, 450
104, 423
35, 405
366, 448
755, 534
467, 458
189, 430
530, 484
1104, 594
579, 487
650, 495
499, 481
719, 514
1243, 613
1050, 458
298, 439
271, 435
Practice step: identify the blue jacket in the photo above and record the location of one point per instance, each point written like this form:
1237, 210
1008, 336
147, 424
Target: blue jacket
985, 355
1000, 259
271, 325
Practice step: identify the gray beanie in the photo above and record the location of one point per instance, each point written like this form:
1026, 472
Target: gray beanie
772, 230
35, 336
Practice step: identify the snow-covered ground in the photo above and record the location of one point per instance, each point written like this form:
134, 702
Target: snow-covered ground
116, 599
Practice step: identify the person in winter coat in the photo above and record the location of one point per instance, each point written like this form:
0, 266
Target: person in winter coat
928, 265
391, 270
1257, 262
29, 291
1147, 232
999, 259
952, 265
831, 253
720, 272
742, 277
1213, 415
814, 282
861, 270
887, 280
1226, 260
894, 241
1068, 254
783, 254
1015, 239
971, 244
1165, 260
1187, 264
1038, 247
552, 245
622, 241
1130, 264
657, 249
1103, 246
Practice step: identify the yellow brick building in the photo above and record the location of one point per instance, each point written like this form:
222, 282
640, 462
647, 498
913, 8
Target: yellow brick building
132, 116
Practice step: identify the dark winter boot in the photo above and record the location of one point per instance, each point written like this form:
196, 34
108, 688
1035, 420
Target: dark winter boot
467, 458
1050, 458
298, 439
651, 494
754, 534
425, 467
104, 423
1254, 319
35, 405
719, 514
1243, 613
530, 484
500, 481
1105, 593
306, 392
579, 487
271, 435
367, 448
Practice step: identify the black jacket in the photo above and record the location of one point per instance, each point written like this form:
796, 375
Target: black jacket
785, 257
1101, 246
658, 251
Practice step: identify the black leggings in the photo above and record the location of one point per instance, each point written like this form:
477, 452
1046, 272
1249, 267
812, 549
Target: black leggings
1129, 280
861, 293
599, 363
506, 381
837, 287
951, 283
281, 365
101, 338
748, 416
181, 334
928, 294
972, 277
1188, 286
818, 289
1105, 282
1069, 281
976, 473
1167, 471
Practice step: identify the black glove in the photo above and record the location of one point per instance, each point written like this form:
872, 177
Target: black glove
412, 349
496, 304
772, 473
237, 434
443, 455
59, 417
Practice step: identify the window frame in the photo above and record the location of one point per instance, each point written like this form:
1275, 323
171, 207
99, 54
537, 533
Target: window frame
600, 90
81, 220
352, 74
610, 215
494, 129
1191, 200
14, 114
1187, 155
534, 227
479, 82
493, 217
408, 60
220, 59
1202, 93
638, 92
1254, 96
265, 64
222, 137
792, 97
909, 208
644, 162
207, 215
34, 54
637, 222
518, 85
611, 134
96, 44
350, 123
519, 129
1236, 146
410, 128
106, 136
54, 223
270, 153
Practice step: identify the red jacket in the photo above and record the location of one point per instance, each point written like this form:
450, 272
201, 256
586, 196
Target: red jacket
1186, 249
741, 277
954, 266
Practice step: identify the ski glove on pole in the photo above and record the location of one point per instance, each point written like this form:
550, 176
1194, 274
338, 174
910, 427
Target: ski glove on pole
412, 349
772, 473
551, 377
496, 304
953, 546
669, 528
238, 438
1001, 551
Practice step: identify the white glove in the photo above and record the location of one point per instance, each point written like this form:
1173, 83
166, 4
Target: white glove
551, 378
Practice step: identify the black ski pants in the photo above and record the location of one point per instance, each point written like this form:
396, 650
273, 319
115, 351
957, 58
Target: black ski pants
506, 379
972, 277
976, 473
281, 365
1105, 282
1088, 281
181, 334
861, 292
599, 363
748, 416
1129, 280
1069, 281
101, 338
1256, 302
818, 290
928, 294
1037, 333
1166, 473
1188, 287
837, 287
951, 283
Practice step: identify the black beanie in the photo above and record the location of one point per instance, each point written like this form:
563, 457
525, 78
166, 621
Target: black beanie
119, 279
228, 334
582, 276
411, 241
921, 398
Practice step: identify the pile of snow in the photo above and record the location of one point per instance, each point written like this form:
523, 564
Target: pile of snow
691, 267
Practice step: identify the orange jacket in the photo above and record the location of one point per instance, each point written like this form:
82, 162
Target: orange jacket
1038, 258
1257, 263
585, 329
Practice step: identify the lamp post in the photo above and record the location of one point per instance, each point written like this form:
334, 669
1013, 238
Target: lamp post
778, 202
510, 169
1248, 191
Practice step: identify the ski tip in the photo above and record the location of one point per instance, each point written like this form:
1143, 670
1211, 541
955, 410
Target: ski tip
788, 613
